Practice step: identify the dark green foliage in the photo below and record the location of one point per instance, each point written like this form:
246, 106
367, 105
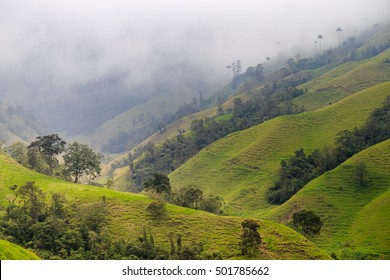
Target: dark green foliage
212, 204
157, 209
361, 173
49, 146
309, 222
159, 183
80, 160
299, 169
180, 252
192, 197
250, 237
188, 197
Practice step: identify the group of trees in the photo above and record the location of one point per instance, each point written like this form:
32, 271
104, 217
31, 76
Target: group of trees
42, 156
190, 197
55, 229
300, 168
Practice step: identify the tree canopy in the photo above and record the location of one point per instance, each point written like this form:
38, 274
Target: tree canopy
80, 160
49, 146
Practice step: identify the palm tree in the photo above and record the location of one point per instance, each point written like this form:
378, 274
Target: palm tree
228, 69
319, 37
339, 30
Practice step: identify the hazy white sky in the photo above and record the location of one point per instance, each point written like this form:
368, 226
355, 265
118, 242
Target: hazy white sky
78, 40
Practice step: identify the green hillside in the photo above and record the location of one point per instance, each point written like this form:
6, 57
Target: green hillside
345, 80
356, 218
242, 166
120, 174
127, 217
9, 251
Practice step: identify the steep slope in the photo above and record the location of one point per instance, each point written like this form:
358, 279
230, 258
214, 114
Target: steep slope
345, 80
16, 125
9, 251
120, 174
242, 166
127, 217
355, 218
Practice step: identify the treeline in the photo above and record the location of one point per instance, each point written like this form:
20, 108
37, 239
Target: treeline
56, 230
300, 168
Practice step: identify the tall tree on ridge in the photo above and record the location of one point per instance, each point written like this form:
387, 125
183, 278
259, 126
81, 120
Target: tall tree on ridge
339, 30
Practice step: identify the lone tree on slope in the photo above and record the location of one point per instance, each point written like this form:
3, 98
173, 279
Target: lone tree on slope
80, 160
309, 222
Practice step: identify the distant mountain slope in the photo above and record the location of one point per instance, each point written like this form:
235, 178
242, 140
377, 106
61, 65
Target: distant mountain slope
345, 80
17, 125
9, 251
131, 127
356, 218
127, 217
242, 166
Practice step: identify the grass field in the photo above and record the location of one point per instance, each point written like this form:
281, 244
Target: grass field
242, 166
356, 218
128, 217
344, 80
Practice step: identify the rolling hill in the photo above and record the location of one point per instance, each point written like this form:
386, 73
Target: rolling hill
127, 218
242, 166
356, 223
345, 80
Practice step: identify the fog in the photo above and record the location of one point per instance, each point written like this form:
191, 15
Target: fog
50, 48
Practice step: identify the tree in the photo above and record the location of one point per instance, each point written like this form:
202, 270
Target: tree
361, 173
159, 183
339, 30
250, 237
156, 209
49, 146
319, 37
80, 160
309, 222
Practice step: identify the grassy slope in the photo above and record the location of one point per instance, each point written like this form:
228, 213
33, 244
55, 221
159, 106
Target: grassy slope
242, 166
120, 174
330, 85
128, 216
356, 218
344, 80
9, 251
